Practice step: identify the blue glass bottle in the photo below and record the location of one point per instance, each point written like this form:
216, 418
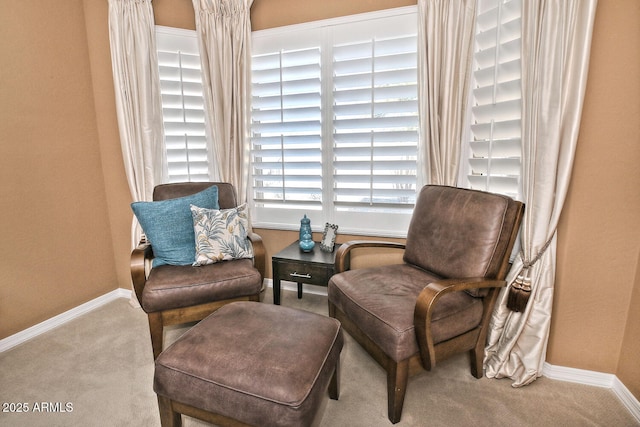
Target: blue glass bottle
306, 242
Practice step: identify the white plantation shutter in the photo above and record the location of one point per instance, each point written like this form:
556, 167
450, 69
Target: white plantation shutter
375, 122
334, 122
187, 154
286, 131
494, 161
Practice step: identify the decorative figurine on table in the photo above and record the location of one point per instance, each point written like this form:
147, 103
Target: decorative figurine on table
306, 238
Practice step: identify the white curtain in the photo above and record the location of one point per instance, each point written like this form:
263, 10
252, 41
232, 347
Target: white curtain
224, 37
137, 91
445, 31
138, 101
556, 40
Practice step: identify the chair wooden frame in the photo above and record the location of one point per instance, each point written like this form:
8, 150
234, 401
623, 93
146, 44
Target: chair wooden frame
140, 260
429, 353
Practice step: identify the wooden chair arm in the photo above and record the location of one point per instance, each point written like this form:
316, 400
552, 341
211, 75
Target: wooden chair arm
343, 256
259, 253
425, 306
138, 271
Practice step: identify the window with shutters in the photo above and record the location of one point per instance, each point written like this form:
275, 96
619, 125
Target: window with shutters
335, 123
493, 153
185, 139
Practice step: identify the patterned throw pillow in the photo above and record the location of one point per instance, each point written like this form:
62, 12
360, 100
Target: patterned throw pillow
221, 235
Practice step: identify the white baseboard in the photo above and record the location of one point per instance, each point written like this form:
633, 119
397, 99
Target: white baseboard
60, 319
579, 376
560, 373
628, 400
597, 379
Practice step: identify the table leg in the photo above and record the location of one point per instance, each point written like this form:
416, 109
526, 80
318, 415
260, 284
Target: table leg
276, 283
299, 290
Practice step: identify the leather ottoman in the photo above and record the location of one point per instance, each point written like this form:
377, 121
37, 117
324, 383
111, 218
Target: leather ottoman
251, 363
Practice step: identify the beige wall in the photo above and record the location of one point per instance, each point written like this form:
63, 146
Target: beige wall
629, 365
64, 222
599, 236
55, 232
276, 13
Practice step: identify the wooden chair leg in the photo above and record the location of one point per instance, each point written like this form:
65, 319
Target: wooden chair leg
397, 377
168, 417
477, 361
156, 330
334, 385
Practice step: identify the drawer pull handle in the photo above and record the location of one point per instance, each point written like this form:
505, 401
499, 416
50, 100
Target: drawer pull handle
303, 276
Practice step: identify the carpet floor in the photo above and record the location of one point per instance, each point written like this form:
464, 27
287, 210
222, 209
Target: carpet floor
97, 370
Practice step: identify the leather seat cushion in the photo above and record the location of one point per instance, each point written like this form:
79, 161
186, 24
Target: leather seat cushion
175, 286
381, 302
258, 363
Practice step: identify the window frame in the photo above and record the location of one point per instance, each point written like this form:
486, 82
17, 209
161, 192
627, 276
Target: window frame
385, 221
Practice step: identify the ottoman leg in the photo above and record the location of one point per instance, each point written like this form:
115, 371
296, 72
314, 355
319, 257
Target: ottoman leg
334, 384
168, 417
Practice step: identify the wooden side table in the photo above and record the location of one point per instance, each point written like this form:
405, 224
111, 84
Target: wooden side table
313, 268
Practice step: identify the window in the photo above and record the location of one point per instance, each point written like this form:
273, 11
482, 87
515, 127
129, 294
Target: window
187, 154
494, 152
335, 123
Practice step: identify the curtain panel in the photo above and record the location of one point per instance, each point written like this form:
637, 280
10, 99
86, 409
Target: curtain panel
556, 40
224, 38
445, 49
137, 92
138, 100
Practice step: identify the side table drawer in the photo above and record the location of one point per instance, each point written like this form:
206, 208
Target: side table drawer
304, 273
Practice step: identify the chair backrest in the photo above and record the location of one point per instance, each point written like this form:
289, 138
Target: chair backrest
460, 233
226, 192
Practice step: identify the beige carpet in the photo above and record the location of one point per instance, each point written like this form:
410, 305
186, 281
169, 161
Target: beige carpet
100, 366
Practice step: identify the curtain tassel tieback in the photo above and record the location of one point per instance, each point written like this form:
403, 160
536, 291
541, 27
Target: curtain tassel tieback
520, 289
519, 292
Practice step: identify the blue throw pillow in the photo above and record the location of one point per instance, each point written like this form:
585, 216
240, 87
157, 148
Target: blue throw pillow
168, 225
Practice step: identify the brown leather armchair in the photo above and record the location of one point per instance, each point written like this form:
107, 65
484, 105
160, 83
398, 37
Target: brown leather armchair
439, 301
177, 294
